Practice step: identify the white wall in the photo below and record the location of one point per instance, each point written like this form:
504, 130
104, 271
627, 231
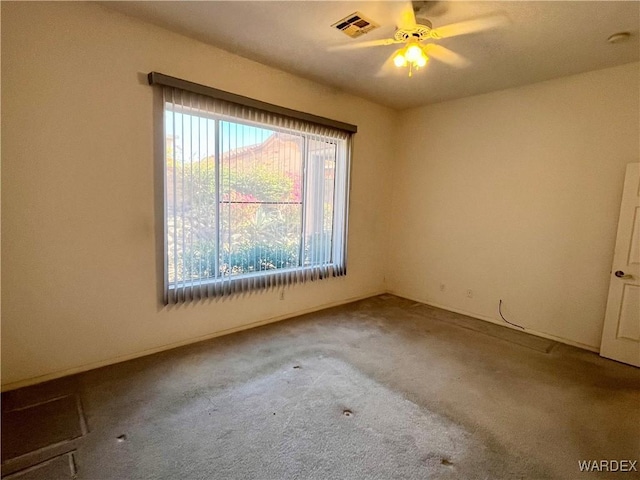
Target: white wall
515, 195
79, 251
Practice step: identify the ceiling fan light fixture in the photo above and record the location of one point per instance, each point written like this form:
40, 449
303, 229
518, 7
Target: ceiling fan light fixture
412, 56
399, 60
413, 53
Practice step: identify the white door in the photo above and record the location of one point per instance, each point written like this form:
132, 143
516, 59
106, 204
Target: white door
621, 333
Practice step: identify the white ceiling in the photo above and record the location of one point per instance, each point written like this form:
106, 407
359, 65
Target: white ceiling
540, 41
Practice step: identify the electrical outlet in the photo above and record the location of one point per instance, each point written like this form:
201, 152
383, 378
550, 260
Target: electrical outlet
443, 287
282, 294
469, 293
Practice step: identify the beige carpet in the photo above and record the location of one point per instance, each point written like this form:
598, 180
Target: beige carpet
382, 388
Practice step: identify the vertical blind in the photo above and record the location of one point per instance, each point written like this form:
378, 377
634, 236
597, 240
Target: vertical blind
253, 199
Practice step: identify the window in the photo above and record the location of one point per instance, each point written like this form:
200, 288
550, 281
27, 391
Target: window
253, 199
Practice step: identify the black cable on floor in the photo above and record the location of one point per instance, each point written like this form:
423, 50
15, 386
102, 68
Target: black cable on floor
500, 312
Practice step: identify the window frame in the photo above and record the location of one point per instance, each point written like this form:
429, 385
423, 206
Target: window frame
272, 277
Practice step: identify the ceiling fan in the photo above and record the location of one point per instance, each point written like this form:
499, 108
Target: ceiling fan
415, 32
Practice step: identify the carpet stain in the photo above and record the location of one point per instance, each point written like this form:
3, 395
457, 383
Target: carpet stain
304, 438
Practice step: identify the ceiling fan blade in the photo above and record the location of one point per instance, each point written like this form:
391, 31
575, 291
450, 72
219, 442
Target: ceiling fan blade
470, 26
370, 43
407, 17
445, 55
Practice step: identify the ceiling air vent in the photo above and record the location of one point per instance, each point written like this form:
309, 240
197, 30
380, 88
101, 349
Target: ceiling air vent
355, 25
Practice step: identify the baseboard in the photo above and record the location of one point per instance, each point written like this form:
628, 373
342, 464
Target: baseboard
548, 336
123, 358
